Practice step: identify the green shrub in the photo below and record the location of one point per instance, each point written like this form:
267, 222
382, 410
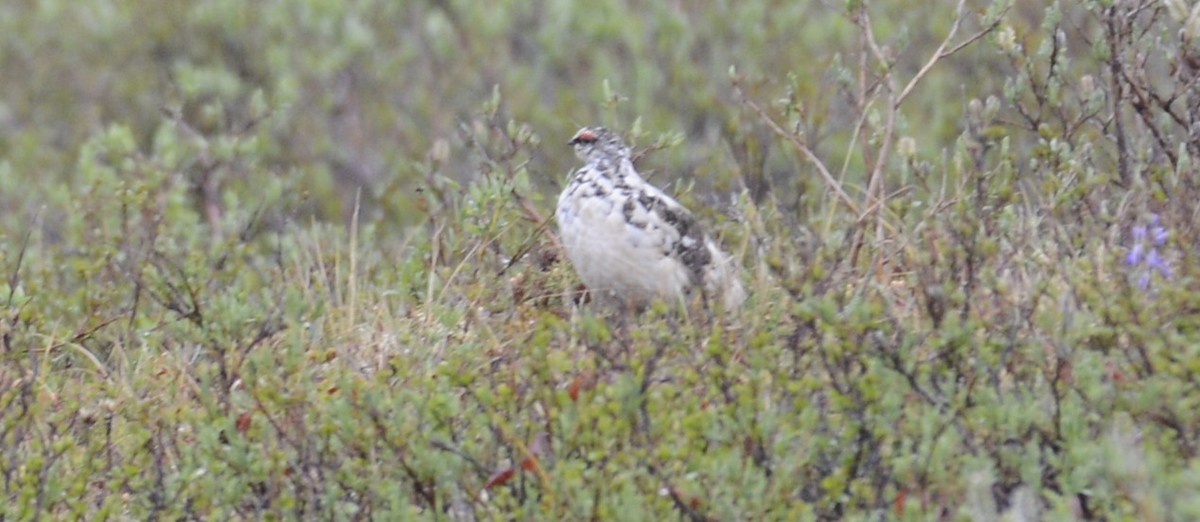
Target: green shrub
295, 260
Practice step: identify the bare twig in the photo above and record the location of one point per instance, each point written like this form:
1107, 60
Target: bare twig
875, 198
942, 52
803, 148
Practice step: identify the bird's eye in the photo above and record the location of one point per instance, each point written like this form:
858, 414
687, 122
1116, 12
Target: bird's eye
584, 136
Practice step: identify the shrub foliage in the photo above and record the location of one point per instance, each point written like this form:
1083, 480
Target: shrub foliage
295, 260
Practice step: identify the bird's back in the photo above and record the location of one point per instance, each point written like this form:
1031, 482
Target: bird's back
629, 240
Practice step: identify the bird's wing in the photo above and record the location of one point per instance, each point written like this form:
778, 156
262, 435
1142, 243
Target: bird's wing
681, 235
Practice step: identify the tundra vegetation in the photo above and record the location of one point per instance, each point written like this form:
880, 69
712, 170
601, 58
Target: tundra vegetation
293, 260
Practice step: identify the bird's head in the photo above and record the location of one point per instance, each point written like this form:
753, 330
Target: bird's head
598, 142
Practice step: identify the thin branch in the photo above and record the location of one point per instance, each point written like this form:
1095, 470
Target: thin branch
803, 148
943, 52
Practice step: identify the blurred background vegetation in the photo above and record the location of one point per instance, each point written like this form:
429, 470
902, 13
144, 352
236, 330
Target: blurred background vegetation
336, 97
292, 260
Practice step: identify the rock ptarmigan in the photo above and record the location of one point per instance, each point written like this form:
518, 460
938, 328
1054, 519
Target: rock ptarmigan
630, 241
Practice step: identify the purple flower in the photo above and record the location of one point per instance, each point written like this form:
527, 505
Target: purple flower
1160, 235
1154, 260
1135, 254
1144, 257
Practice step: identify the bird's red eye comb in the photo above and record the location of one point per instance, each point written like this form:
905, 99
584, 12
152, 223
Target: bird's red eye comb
584, 136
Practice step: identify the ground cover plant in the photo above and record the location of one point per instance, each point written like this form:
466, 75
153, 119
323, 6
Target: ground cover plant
295, 260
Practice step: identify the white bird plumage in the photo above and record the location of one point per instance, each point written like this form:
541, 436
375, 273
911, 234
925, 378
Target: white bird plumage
629, 240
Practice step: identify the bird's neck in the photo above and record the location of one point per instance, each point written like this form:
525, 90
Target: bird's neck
615, 169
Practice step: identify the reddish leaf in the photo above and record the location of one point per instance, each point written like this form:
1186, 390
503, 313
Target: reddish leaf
499, 478
529, 464
585, 380
691, 501
539, 446
243, 422
1114, 372
899, 503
